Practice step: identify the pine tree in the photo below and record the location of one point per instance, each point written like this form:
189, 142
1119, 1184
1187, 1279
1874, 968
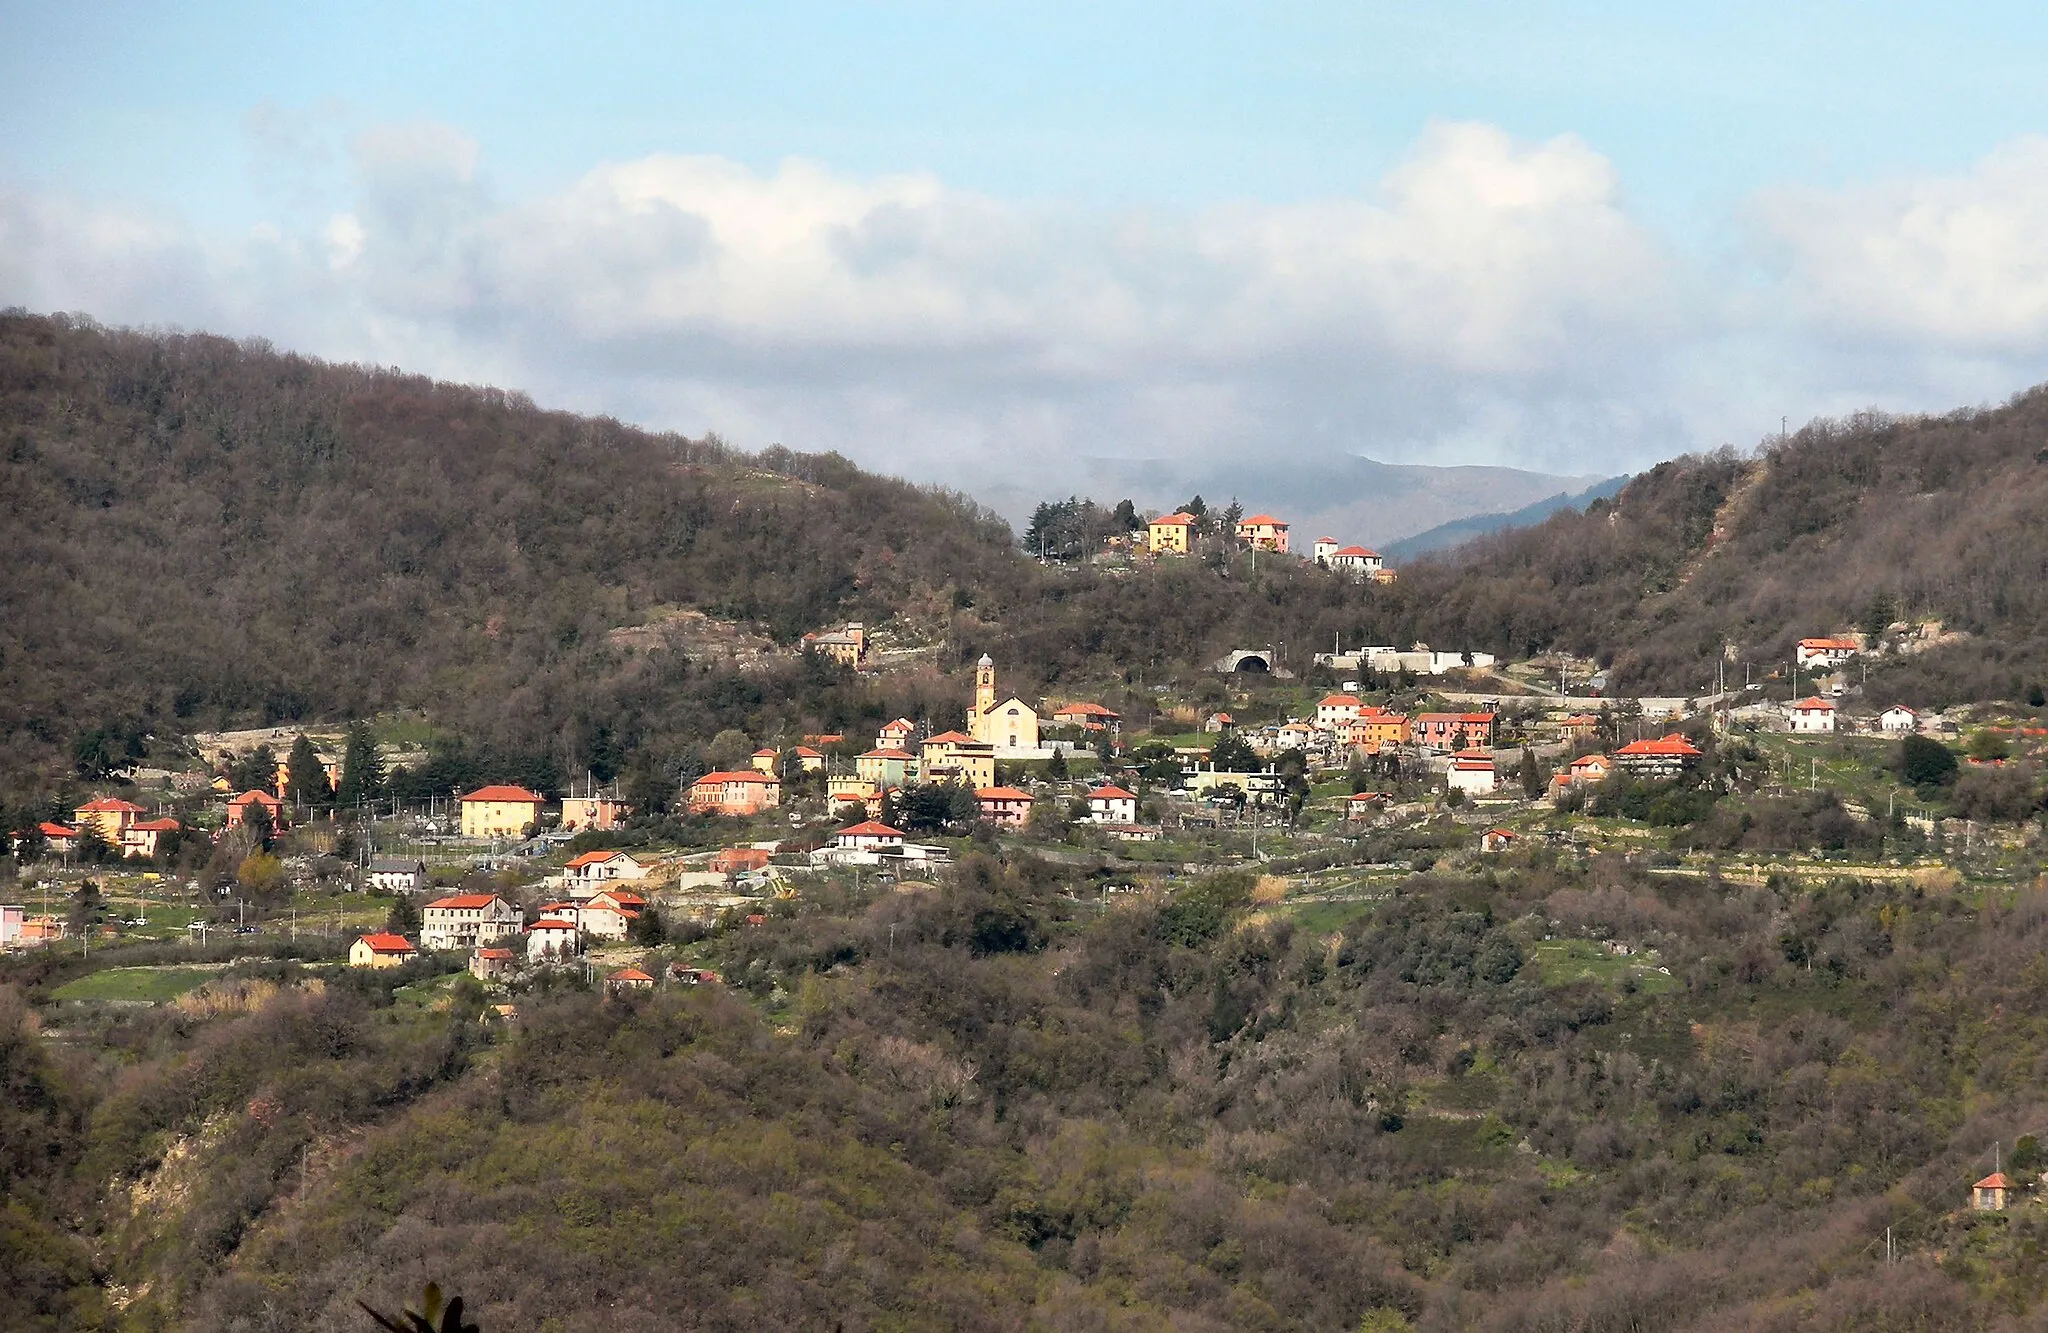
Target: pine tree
362, 769
305, 775
1532, 777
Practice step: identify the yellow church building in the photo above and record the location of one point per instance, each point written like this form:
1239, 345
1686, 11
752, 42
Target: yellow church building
1009, 725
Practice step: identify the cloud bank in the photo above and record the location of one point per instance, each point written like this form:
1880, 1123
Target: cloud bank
1489, 301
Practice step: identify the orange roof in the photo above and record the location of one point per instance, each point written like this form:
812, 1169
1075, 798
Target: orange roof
806, 752
1107, 792
870, 828
1589, 761
50, 830
1674, 744
385, 942
1471, 765
900, 724
465, 901
1260, 520
552, 923
1174, 520
557, 907
767, 750
629, 974
494, 953
731, 775
1337, 701
622, 898
589, 859
1085, 710
1580, 720
155, 826
110, 805
1813, 704
262, 798
1362, 552
504, 792
1499, 833
1995, 1181
1850, 644
1000, 794
952, 738
886, 752
733, 858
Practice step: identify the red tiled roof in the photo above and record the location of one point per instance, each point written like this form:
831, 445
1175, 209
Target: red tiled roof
110, 805
629, 974
1499, 833
1471, 765
1672, 745
1995, 1181
1107, 792
1362, 552
589, 859
871, 828
50, 830
155, 826
806, 752
731, 775
385, 942
1260, 520
1000, 794
1813, 704
552, 923
767, 750
1851, 645
262, 798
494, 953
504, 792
1337, 701
1589, 761
885, 752
623, 899
952, 738
557, 907
1085, 710
463, 902
1175, 520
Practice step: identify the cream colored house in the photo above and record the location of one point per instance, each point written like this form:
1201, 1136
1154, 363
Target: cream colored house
953, 757
499, 812
467, 920
382, 949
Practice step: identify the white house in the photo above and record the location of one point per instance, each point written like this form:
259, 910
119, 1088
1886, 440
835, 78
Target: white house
1337, 711
466, 921
1324, 548
392, 874
1813, 714
868, 836
1827, 652
551, 937
1357, 561
1112, 805
592, 870
605, 922
1898, 720
1472, 775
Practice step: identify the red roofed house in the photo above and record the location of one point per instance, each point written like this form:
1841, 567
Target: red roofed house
868, 836
1827, 652
1324, 548
1003, 806
1579, 727
895, 735
1263, 532
1989, 1195
1663, 757
1336, 710
1358, 561
734, 792
63, 841
1219, 723
1169, 534
492, 963
1473, 776
467, 920
1091, 717
1364, 804
238, 809
884, 768
1496, 840
764, 760
499, 811
382, 949
809, 760
954, 756
1376, 729
629, 978
141, 837
595, 811
1587, 770
1112, 805
109, 815
1810, 715
592, 869
607, 918
1441, 731
552, 937
1898, 720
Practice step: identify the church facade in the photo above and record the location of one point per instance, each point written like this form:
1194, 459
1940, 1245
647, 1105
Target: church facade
1010, 725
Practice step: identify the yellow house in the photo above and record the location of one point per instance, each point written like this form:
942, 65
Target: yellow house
380, 950
499, 812
848, 647
764, 761
952, 757
109, 815
1168, 535
1009, 725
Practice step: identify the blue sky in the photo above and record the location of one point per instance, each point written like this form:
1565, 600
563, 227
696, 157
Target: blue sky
1035, 231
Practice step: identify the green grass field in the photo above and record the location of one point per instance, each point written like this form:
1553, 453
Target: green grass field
1562, 962
154, 984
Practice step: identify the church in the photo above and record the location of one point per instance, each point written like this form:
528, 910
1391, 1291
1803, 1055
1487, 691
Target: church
1010, 726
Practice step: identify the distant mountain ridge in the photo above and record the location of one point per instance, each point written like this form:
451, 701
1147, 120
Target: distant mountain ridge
1461, 530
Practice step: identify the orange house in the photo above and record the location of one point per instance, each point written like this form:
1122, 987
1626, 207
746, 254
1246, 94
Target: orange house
734, 792
238, 809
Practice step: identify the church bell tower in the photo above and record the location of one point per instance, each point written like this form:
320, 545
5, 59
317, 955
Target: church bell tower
984, 694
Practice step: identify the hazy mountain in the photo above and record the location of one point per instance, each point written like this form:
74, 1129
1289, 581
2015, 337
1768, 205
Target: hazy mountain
1459, 531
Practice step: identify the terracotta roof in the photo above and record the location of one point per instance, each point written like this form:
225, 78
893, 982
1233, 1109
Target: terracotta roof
262, 798
504, 792
1261, 520
1589, 761
1107, 792
1813, 704
1500, 833
1852, 645
589, 859
552, 923
731, 775
1176, 520
557, 907
1901, 708
623, 899
1672, 745
494, 953
463, 902
885, 752
900, 724
1326, 541
1000, 794
1362, 552
806, 752
951, 738
870, 828
1471, 765
1995, 1181
385, 942
768, 750
1337, 701
629, 974
1085, 710
50, 830
110, 805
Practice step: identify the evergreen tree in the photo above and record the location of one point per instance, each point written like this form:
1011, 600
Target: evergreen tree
306, 777
1354, 773
404, 916
1057, 769
362, 769
1531, 776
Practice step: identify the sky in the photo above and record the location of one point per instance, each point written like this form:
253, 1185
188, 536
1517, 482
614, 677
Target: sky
983, 245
